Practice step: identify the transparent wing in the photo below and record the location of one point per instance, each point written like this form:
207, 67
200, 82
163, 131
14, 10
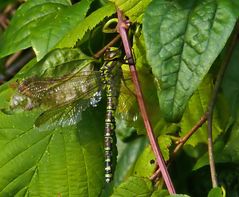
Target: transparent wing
62, 116
65, 97
52, 92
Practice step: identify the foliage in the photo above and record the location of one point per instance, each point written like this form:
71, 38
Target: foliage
179, 47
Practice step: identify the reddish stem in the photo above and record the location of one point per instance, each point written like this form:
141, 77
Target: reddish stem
184, 139
122, 27
111, 43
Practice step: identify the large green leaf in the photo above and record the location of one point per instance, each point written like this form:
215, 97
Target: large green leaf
66, 161
134, 9
183, 38
42, 25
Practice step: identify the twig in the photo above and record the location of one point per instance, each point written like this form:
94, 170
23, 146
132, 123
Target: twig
12, 58
212, 102
155, 175
181, 142
184, 139
16, 66
4, 22
122, 26
111, 43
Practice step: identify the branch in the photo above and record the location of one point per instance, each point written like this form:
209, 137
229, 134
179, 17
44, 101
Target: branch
181, 142
122, 27
211, 105
16, 65
184, 139
111, 43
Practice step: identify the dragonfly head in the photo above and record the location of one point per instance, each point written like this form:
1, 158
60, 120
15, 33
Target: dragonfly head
112, 53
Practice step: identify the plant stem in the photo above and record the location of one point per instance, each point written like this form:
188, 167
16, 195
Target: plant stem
184, 139
181, 142
122, 26
111, 43
211, 105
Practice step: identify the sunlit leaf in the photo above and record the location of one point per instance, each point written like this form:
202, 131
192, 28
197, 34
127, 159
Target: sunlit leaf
197, 106
146, 163
134, 186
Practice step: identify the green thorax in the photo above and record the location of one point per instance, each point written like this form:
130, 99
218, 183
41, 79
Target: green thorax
111, 71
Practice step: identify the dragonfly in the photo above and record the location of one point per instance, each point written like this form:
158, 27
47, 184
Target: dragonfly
69, 95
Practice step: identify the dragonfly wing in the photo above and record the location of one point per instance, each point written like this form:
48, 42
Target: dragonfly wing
53, 92
62, 116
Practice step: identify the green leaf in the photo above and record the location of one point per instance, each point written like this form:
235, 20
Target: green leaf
65, 161
134, 186
183, 38
215, 192
197, 106
76, 33
42, 25
26, 18
134, 9
165, 142
146, 164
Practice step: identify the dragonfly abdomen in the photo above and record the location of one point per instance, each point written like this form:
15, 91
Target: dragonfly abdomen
109, 140
110, 73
